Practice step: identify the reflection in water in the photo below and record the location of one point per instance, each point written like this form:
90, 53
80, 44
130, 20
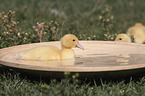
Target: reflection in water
123, 58
98, 61
108, 61
42, 63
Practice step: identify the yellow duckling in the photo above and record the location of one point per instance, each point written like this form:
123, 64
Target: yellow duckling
68, 42
123, 38
138, 33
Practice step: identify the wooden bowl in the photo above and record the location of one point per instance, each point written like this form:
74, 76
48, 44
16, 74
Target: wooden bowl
99, 57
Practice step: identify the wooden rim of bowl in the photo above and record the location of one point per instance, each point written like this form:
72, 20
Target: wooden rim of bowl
133, 46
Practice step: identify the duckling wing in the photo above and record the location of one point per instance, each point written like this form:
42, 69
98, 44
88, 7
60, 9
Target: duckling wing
41, 53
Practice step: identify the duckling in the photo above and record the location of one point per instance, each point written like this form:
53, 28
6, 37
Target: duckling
68, 42
138, 33
123, 38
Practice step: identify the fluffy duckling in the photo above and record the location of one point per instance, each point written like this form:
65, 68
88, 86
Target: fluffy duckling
68, 42
123, 38
138, 33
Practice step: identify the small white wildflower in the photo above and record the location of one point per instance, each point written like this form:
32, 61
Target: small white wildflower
25, 38
108, 20
14, 22
19, 34
36, 30
111, 17
89, 38
105, 35
5, 16
100, 17
34, 27
10, 10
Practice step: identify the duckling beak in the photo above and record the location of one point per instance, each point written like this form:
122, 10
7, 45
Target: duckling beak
79, 46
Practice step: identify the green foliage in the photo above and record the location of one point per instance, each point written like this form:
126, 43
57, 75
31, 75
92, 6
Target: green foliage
12, 84
12, 35
76, 17
84, 37
10, 32
132, 38
44, 32
106, 23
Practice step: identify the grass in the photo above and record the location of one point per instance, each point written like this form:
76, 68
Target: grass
12, 84
87, 19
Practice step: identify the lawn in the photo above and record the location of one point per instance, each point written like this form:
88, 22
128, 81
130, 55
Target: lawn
17, 85
30, 21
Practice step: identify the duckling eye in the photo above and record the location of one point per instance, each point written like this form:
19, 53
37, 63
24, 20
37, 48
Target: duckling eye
120, 38
73, 40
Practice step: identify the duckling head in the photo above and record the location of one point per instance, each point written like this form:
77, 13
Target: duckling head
70, 41
123, 38
138, 24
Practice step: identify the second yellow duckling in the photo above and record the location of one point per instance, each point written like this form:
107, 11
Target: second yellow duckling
68, 42
138, 33
123, 38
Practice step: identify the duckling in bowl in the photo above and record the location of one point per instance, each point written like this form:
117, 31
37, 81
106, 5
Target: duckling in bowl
123, 38
138, 33
68, 42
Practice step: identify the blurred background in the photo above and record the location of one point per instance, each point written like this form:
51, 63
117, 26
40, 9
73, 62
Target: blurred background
29, 21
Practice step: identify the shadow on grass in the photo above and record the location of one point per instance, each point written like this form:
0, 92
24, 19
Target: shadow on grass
91, 78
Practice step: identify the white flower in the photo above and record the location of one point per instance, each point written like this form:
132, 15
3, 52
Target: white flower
19, 34
100, 17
